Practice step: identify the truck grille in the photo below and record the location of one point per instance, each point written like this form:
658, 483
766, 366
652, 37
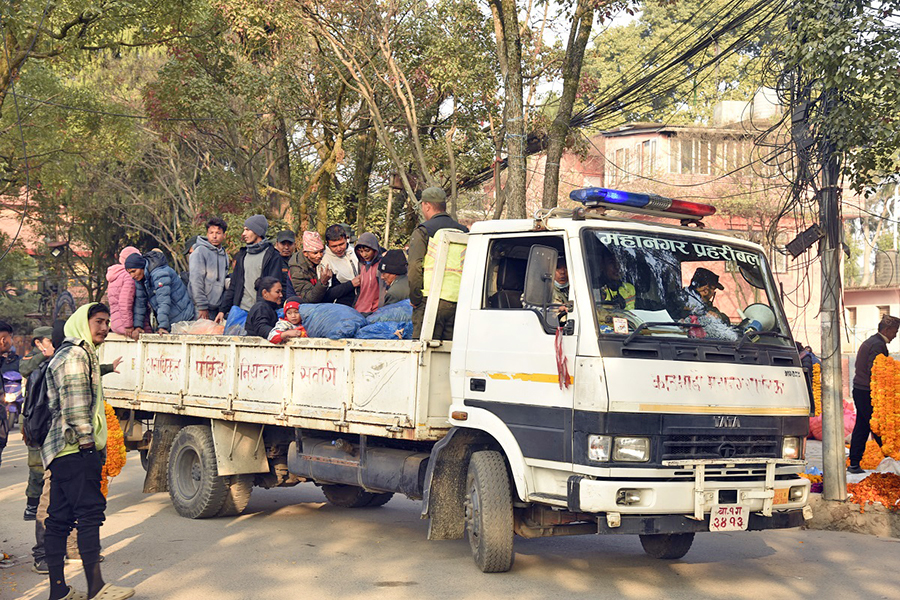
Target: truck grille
679, 447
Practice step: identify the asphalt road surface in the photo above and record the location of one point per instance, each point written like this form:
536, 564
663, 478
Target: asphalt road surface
291, 544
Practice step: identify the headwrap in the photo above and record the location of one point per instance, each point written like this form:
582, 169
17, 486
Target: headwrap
134, 261
312, 241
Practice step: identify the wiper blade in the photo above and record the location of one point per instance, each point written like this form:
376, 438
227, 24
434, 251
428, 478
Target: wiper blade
747, 335
645, 325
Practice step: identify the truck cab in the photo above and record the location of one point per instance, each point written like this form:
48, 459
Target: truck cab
668, 399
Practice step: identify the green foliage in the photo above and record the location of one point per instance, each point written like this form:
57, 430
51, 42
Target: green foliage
852, 48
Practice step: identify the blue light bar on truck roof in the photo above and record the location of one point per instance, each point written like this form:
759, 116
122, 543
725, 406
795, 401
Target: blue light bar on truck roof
651, 202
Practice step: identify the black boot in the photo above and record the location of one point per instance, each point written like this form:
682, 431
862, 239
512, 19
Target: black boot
31, 509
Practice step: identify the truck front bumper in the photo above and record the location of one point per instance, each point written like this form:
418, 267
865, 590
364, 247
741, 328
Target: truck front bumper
693, 498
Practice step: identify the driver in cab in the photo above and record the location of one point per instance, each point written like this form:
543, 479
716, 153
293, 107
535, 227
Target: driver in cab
614, 291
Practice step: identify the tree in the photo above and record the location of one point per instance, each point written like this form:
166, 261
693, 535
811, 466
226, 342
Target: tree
853, 48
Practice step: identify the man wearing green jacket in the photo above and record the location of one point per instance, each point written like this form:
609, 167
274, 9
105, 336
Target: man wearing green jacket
422, 254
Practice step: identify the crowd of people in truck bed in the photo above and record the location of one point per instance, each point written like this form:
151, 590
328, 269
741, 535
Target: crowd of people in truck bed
260, 290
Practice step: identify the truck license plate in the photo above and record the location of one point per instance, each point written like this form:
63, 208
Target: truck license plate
728, 518
781, 496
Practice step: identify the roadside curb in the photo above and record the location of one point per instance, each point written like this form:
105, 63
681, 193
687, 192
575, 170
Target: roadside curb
833, 515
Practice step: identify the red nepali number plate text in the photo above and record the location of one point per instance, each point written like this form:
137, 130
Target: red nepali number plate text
728, 518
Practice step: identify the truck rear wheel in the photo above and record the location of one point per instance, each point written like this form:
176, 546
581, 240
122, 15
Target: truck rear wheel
380, 499
489, 512
238, 495
347, 496
195, 487
667, 545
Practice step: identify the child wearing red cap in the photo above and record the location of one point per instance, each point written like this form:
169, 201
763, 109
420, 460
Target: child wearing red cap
290, 326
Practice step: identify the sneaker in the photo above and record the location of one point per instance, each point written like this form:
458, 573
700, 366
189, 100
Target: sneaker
40, 567
30, 513
855, 469
76, 560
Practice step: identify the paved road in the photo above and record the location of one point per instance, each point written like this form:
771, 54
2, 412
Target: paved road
290, 545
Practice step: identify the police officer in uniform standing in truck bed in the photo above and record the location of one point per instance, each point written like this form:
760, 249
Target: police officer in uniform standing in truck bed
422, 253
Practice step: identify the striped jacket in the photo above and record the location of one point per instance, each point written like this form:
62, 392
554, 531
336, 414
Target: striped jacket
73, 377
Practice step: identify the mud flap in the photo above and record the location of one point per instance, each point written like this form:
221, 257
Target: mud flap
165, 428
445, 484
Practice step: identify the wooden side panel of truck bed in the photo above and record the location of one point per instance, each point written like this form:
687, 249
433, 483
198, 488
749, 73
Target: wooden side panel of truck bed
389, 388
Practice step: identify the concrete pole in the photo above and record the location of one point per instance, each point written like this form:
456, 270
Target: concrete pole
832, 404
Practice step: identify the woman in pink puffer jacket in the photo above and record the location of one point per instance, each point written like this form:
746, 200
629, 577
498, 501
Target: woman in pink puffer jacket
121, 293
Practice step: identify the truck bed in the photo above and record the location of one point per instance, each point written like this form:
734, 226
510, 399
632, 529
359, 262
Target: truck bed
398, 389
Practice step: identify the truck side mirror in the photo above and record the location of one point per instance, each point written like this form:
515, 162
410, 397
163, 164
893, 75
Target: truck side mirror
539, 276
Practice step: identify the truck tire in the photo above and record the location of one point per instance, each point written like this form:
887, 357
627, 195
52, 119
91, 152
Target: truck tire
195, 487
489, 512
238, 495
348, 496
145, 459
380, 499
667, 545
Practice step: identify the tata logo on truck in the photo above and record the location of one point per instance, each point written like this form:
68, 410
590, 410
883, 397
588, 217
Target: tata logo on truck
726, 421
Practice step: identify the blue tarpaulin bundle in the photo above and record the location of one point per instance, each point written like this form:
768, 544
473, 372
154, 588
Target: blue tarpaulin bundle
399, 311
333, 321
386, 330
235, 321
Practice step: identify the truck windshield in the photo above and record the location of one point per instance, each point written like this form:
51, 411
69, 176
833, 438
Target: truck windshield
666, 285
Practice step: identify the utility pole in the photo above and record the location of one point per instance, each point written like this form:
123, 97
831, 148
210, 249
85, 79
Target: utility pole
835, 477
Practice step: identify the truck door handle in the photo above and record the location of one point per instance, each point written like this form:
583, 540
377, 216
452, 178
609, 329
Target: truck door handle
477, 385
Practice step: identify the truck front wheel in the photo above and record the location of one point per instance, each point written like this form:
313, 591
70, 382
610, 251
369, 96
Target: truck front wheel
667, 545
489, 512
195, 487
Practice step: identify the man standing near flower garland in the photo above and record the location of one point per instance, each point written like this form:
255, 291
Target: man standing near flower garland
862, 394
73, 452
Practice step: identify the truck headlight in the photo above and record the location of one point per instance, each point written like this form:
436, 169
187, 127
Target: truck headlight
598, 447
792, 447
631, 449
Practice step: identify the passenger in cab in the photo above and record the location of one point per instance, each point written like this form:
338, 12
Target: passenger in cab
263, 315
290, 326
561, 283
309, 276
699, 298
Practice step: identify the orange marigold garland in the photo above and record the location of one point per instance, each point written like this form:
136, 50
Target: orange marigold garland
817, 387
872, 456
885, 420
115, 449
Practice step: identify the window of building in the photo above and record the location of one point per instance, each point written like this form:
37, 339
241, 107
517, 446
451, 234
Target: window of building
673, 155
687, 156
883, 311
851, 316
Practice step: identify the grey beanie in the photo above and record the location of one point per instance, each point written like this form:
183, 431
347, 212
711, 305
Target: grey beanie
257, 224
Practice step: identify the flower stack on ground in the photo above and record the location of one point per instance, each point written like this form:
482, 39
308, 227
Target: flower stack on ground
817, 387
881, 488
885, 420
115, 449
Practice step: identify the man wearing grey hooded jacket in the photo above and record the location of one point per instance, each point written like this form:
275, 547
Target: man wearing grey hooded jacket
208, 267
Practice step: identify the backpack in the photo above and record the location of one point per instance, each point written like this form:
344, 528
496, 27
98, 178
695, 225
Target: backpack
36, 414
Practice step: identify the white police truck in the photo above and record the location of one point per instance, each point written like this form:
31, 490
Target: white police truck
608, 375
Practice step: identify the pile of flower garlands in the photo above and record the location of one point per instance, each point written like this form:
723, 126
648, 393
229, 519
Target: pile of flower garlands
883, 488
817, 387
115, 449
885, 420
